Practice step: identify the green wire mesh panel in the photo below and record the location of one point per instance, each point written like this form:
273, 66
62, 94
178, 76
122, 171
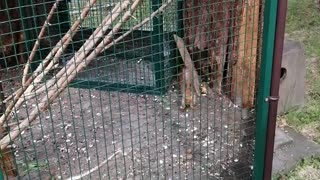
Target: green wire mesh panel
132, 65
97, 128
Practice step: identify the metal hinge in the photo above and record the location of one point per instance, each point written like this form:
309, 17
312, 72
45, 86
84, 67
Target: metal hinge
272, 98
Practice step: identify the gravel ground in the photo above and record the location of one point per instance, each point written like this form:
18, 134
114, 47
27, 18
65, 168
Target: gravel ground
153, 138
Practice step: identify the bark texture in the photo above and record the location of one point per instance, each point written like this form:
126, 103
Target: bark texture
245, 68
227, 32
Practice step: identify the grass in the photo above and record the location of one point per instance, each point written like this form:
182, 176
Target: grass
303, 24
308, 169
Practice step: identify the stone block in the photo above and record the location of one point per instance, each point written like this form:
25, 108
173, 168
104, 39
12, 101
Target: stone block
281, 139
293, 71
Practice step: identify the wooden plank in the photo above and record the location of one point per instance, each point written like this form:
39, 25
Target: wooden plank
244, 69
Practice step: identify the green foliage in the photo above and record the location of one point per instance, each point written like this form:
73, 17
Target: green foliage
307, 169
302, 15
307, 115
303, 24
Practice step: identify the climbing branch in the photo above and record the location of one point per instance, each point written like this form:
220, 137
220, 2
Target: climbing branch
42, 69
189, 79
51, 82
80, 60
37, 43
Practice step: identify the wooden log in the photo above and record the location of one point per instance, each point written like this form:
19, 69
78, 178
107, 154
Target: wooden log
245, 62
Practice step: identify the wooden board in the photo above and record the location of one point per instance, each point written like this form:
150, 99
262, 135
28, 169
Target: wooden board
244, 70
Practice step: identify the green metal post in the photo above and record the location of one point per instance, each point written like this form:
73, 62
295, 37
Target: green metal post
180, 9
269, 27
157, 48
1, 175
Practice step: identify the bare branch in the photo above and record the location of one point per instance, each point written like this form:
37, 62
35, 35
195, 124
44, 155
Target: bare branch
37, 43
18, 99
76, 64
188, 63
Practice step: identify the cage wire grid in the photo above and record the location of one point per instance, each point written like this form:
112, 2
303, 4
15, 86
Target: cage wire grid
125, 131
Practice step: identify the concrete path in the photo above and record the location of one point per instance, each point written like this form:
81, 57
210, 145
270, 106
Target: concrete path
290, 148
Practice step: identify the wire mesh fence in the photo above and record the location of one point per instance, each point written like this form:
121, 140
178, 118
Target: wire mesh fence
129, 89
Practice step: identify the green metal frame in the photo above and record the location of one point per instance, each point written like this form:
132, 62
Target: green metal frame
157, 58
156, 49
262, 107
1, 175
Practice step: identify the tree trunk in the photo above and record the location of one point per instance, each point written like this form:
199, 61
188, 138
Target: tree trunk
228, 31
207, 28
245, 68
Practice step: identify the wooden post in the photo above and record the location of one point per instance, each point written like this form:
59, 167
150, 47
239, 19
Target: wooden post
234, 24
207, 26
244, 69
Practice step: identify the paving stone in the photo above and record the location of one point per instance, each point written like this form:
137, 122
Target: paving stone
293, 70
282, 139
288, 156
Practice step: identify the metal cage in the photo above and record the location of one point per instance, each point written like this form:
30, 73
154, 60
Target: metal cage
140, 63
120, 118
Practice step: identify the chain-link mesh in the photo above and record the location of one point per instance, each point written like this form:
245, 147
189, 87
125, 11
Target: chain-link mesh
126, 113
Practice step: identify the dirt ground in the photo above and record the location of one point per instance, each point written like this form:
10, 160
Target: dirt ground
154, 139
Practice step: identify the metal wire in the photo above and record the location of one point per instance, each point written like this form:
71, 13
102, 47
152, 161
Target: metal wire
121, 118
